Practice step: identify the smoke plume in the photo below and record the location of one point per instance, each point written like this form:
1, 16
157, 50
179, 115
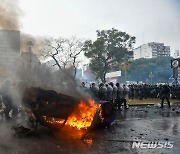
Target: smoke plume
10, 14
41, 76
37, 42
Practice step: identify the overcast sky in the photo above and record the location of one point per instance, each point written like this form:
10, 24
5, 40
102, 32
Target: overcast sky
148, 20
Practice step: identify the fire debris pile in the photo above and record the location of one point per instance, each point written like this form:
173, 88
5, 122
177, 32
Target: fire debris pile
58, 112
81, 117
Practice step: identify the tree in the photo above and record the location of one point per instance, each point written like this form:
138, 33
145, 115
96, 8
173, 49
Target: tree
142, 70
108, 51
65, 52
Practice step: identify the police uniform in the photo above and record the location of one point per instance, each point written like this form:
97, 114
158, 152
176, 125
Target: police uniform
165, 94
118, 101
102, 92
94, 90
125, 96
109, 92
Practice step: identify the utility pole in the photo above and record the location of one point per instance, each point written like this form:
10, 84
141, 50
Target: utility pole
151, 77
125, 71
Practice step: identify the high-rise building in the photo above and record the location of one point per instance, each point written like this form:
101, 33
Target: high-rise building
152, 50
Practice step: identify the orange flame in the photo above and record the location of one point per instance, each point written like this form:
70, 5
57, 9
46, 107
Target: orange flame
83, 115
88, 141
81, 119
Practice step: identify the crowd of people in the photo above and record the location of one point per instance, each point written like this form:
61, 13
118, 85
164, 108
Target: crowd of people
115, 93
119, 93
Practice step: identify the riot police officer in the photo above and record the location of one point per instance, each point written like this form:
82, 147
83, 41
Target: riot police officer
118, 100
94, 90
125, 96
102, 92
109, 93
114, 94
165, 94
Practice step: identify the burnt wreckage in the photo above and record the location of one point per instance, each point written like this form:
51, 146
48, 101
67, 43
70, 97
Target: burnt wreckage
52, 110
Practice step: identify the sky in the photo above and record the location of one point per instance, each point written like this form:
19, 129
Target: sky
147, 20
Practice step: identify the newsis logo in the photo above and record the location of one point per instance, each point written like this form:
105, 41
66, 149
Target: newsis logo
152, 145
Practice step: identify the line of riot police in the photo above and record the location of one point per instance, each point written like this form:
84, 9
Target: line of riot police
144, 91
118, 94
114, 93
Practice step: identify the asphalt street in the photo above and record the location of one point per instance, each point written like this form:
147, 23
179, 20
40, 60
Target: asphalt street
138, 123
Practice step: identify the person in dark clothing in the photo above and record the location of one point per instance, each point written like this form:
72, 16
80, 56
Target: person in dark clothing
125, 95
83, 87
102, 92
131, 91
109, 93
114, 94
165, 94
94, 91
6, 94
118, 101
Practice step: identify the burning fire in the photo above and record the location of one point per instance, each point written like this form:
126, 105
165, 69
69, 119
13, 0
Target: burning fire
54, 121
83, 115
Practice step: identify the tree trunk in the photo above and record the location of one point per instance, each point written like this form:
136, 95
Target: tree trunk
56, 62
74, 60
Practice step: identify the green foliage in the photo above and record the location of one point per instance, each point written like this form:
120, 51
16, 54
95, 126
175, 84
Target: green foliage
108, 51
139, 70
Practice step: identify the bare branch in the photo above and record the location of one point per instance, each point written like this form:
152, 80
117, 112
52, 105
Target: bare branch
65, 52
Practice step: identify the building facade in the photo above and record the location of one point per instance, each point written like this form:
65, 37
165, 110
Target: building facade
9, 41
177, 54
9, 54
11, 60
151, 50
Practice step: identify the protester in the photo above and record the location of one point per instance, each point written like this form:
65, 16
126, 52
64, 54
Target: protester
6, 93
